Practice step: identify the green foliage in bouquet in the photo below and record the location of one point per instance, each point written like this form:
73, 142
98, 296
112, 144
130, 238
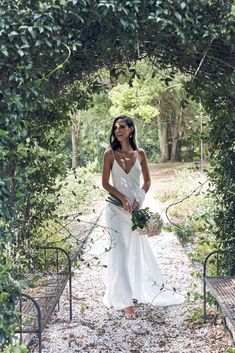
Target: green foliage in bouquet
114, 200
140, 217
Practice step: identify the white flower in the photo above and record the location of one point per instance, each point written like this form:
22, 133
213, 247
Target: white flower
154, 225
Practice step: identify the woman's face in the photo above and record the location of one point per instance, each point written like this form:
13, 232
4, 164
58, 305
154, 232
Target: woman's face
122, 130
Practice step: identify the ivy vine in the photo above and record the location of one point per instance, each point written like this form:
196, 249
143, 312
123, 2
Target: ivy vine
49, 49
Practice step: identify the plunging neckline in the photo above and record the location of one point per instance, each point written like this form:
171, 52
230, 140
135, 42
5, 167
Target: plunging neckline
123, 169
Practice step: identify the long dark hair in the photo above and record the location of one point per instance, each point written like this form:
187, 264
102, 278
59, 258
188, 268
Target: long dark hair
114, 143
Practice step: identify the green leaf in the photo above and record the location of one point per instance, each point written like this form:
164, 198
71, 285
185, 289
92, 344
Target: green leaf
13, 33
4, 50
21, 53
38, 43
178, 15
3, 133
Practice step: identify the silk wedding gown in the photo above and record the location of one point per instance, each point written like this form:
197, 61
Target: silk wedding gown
132, 271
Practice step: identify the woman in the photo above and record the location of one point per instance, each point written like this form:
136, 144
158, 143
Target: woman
132, 271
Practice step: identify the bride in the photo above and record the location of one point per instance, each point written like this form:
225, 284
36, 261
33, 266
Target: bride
132, 271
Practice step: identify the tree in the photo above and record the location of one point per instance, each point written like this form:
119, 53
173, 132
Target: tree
74, 137
176, 121
152, 99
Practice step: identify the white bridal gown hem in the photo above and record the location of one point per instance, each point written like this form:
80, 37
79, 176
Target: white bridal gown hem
132, 271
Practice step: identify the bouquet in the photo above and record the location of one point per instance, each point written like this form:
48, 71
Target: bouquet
143, 220
154, 225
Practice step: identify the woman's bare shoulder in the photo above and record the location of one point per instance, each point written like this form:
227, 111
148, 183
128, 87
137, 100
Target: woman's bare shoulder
141, 153
108, 154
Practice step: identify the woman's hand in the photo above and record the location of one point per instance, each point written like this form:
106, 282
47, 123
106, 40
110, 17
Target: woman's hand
127, 205
139, 198
135, 205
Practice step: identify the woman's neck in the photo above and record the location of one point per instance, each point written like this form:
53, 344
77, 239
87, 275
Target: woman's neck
126, 147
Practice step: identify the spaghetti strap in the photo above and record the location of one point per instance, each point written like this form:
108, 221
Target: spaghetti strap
113, 158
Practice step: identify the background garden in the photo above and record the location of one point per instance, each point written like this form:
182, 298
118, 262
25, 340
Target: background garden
67, 68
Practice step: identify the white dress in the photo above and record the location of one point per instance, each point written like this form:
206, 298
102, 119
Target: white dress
132, 271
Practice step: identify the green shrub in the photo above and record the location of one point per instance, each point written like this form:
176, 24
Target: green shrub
79, 189
193, 213
184, 232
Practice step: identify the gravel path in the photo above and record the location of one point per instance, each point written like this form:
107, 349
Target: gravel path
96, 329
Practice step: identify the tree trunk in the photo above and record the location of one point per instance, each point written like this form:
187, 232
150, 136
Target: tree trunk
75, 130
175, 138
163, 138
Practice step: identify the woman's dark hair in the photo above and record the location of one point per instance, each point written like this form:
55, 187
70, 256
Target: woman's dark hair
114, 143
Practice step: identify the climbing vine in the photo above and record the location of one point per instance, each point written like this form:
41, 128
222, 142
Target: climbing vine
50, 47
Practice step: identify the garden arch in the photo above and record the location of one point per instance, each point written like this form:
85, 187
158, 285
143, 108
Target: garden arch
47, 46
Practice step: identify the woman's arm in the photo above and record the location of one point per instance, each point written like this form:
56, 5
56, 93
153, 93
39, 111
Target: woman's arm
107, 166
